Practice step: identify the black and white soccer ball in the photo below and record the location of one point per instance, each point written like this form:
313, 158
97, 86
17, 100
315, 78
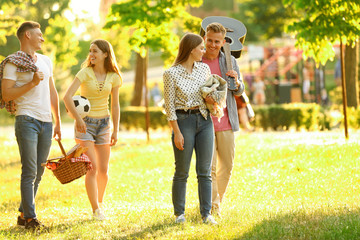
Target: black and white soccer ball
82, 105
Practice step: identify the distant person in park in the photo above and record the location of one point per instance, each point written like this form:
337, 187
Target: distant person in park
258, 89
307, 75
224, 144
242, 113
27, 80
191, 124
99, 78
156, 94
337, 73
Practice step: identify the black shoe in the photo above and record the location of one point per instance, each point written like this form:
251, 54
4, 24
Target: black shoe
21, 222
34, 224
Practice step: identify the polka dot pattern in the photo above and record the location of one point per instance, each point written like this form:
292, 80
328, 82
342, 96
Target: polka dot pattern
182, 89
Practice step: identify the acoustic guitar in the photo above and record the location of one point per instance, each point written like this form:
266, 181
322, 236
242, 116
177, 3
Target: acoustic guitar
235, 32
235, 37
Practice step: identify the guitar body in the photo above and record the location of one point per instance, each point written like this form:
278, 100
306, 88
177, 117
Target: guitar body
235, 32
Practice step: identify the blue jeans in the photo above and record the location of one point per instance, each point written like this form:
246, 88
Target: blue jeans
34, 141
198, 133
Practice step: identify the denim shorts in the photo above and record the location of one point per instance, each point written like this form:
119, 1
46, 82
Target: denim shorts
97, 130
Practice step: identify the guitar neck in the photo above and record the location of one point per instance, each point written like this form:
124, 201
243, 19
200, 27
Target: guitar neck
228, 56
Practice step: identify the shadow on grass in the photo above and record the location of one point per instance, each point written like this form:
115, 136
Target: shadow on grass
16, 232
335, 224
153, 231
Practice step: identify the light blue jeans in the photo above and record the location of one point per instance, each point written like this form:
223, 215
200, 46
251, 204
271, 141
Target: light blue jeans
198, 133
34, 141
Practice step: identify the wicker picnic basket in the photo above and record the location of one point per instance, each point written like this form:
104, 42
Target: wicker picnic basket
72, 165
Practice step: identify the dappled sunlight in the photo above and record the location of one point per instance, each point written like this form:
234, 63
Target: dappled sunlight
284, 185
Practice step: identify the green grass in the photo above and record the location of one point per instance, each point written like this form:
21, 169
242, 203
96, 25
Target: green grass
284, 186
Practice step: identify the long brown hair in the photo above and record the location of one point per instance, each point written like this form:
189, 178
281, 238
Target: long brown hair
187, 43
110, 61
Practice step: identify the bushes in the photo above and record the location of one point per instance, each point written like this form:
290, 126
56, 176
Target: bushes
286, 115
276, 117
271, 117
268, 117
134, 117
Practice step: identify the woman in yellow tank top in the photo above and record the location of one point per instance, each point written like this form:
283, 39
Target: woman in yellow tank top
99, 78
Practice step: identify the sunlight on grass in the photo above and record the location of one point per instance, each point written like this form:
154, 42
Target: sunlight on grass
284, 186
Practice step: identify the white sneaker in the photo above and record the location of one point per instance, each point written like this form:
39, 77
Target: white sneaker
180, 219
98, 215
101, 206
215, 211
209, 220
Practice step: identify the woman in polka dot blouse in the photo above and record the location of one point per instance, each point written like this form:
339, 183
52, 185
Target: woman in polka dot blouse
191, 123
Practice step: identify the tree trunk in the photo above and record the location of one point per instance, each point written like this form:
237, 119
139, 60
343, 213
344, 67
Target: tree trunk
352, 75
139, 81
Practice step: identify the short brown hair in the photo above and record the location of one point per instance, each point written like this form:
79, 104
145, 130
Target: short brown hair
25, 26
187, 43
216, 28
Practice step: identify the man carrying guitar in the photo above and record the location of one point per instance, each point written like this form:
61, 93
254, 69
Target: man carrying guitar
224, 148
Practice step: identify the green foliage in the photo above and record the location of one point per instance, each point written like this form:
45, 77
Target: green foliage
134, 118
264, 19
310, 117
152, 25
324, 23
286, 115
61, 43
9, 18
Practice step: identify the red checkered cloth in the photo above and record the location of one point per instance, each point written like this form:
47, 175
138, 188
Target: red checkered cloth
83, 158
24, 63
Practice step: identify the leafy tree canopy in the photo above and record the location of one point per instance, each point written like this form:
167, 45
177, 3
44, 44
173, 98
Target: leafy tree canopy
153, 23
60, 42
323, 24
264, 19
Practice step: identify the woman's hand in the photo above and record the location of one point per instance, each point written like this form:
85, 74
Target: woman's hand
114, 139
179, 141
80, 125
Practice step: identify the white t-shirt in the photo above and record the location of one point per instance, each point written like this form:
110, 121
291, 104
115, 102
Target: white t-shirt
36, 102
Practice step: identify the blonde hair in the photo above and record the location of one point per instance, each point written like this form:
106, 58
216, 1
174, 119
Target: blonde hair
110, 63
216, 28
187, 43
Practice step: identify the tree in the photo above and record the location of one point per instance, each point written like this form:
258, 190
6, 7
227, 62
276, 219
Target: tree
323, 24
152, 27
61, 44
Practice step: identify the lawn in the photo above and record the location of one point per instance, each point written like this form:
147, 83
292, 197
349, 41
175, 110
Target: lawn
284, 186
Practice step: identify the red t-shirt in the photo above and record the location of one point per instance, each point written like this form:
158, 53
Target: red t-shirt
224, 123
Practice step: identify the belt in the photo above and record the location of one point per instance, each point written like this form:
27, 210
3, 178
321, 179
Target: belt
189, 111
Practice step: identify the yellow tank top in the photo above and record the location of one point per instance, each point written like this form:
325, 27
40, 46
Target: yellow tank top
97, 92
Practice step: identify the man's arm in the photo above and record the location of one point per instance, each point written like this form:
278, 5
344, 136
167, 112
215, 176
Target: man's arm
54, 99
10, 92
237, 76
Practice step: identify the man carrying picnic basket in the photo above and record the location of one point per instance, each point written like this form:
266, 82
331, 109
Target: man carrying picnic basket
28, 91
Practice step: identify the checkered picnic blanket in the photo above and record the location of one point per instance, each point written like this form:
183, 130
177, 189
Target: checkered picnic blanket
83, 158
24, 63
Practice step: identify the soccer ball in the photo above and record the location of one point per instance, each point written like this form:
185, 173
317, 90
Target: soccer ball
82, 105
